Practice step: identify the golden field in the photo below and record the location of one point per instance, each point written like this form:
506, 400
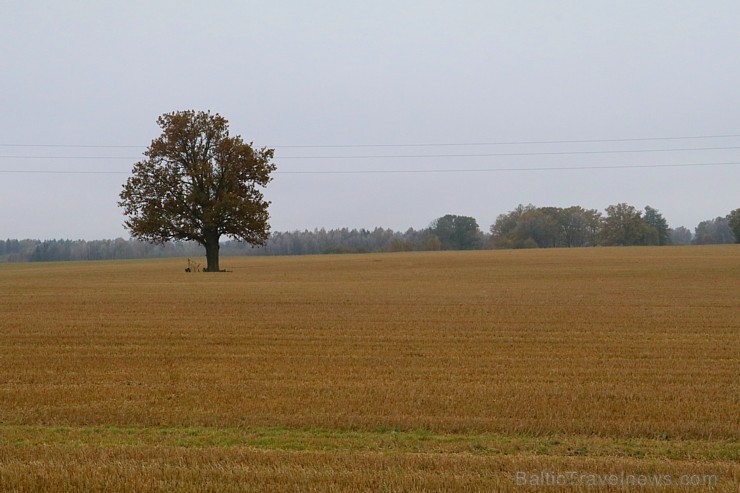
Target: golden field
439, 371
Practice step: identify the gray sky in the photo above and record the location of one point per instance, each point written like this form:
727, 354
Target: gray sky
292, 73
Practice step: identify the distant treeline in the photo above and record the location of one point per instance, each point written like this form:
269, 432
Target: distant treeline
524, 227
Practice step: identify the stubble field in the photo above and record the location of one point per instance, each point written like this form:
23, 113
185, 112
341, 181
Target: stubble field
440, 371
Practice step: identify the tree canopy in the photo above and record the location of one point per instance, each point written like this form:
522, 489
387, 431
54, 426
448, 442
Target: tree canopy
457, 232
542, 227
624, 225
733, 220
198, 183
713, 231
524, 227
655, 220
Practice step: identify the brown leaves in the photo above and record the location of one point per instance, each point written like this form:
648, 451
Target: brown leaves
197, 178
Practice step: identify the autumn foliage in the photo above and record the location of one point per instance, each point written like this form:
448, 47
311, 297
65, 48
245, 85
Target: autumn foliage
199, 183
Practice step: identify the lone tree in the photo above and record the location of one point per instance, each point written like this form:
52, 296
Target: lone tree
198, 183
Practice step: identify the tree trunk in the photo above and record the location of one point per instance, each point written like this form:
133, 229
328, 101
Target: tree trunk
212, 248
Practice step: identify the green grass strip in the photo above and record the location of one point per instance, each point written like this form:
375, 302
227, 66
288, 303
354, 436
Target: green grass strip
390, 441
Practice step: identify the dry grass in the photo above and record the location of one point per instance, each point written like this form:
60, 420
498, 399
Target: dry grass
633, 353
167, 469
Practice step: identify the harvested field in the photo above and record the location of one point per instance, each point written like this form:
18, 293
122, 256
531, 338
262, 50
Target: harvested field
445, 371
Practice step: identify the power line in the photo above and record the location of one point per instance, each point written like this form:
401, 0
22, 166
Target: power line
425, 156
127, 158
501, 154
428, 144
75, 146
413, 171
518, 142
61, 172
488, 170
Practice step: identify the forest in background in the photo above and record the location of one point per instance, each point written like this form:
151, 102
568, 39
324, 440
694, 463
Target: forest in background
524, 227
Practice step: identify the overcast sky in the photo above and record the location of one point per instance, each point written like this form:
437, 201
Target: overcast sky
333, 73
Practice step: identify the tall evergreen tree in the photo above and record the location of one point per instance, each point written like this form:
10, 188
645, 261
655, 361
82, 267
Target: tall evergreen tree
655, 220
733, 219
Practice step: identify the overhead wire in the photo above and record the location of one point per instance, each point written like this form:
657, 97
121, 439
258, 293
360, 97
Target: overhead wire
403, 156
411, 171
427, 144
413, 156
